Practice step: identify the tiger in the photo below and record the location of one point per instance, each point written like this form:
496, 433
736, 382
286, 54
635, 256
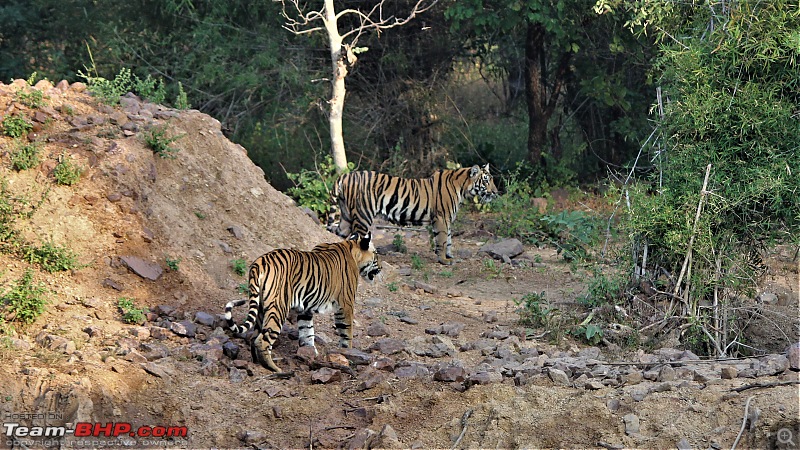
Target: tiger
322, 280
360, 196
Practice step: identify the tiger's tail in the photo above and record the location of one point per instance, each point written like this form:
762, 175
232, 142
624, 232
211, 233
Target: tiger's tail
251, 316
334, 214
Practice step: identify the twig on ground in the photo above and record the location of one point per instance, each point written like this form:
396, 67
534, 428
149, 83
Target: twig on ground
279, 376
765, 385
744, 422
464, 427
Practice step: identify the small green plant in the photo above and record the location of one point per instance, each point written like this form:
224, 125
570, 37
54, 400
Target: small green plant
172, 264
109, 91
243, 288
591, 333
416, 262
605, 289
50, 257
130, 313
25, 300
15, 126
399, 243
156, 138
199, 215
182, 102
393, 287
239, 266
446, 274
26, 156
32, 98
312, 188
67, 172
494, 269
150, 89
533, 309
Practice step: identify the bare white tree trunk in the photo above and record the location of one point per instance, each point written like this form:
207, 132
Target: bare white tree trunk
342, 55
338, 90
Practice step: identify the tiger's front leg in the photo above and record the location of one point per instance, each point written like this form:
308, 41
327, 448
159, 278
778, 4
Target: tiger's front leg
261, 351
442, 240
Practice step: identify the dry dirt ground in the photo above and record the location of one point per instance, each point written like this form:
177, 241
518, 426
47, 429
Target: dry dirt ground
79, 362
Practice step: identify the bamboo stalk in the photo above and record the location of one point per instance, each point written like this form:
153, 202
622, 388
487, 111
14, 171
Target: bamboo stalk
703, 194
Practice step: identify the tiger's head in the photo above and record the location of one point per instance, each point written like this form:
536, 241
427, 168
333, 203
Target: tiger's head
365, 256
482, 184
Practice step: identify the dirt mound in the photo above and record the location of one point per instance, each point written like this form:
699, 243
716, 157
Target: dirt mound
438, 357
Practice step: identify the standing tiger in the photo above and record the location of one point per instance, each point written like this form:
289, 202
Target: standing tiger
402, 201
317, 281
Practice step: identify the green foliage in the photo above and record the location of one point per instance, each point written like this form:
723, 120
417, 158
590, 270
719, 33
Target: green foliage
239, 266
605, 289
66, 172
534, 310
150, 89
32, 98
172, 263
393, 286
494, 269
50, 257
130, 313
199, 215
399, 243
26, 156
110, 91
573, 233
416, 262
182, 101
156, 138
446, 274
15, 125
243, 288
25, 300
312, 189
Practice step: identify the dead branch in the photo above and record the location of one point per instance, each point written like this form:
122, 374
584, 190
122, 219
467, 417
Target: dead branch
765, 385
703, 194
744, 422
279, 376
464, 423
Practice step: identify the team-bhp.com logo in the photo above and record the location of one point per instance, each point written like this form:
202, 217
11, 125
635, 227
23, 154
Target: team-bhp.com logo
85, 429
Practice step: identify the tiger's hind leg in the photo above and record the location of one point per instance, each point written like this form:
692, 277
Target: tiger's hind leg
305, 330
343, 321
261, 345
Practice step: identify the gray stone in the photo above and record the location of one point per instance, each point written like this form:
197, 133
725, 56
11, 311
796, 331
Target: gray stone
409, 320
484, 377
683, 444
388, 346
507, 247
594, 385
356, 356
237, 375
498, 334
414, 370
773, 365
326, 375
206, 352
251, 437
426, 287
667, 373
183, 328
377, 328
159, 370
236, 231
559, 377
490, 316
729, 373
144, 269
767, 298
204, 318
450, 372
639, 393
153, 350
631, 424
793, 355
386, 438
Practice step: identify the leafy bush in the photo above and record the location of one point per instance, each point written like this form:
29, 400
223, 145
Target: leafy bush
399, 243
416, 262
239, 266
156, 138
66, 172
130, 313
16, 126
25, 300
182, 102
26, 156
50, 256
32, 98
534, 310
172, 264
312, 189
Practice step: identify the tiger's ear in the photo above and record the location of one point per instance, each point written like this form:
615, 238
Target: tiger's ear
474, 171
486, 169
354, 236
364, 243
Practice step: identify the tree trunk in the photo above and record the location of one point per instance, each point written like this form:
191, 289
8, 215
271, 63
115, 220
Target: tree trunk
541, 106
339, 62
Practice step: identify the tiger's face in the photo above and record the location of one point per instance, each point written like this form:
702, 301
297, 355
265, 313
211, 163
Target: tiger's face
483, 184
365, 256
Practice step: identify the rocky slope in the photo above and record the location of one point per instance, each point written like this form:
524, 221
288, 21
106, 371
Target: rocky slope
439, 359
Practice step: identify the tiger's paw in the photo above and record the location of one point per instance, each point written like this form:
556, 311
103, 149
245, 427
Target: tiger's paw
446, 261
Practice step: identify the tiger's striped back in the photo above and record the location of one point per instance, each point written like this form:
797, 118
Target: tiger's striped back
322, 280
361, 196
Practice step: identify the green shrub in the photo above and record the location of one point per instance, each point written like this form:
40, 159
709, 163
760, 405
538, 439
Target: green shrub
239, 266
534, 310
416, 262
26, 156
149, 89
399, 243
130, 313
32, 98
172, 264
25, 300
312, 189
182, 102
156, 138
243, 288
393, 286
66, 172
51, 257
16, 126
